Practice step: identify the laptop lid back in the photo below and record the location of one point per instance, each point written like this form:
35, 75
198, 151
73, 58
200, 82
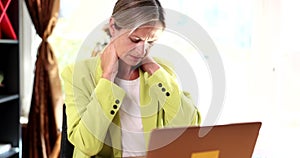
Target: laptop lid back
219, 141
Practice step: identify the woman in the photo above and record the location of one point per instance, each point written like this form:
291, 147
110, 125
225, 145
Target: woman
113, 101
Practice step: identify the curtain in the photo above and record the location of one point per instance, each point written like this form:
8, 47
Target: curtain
43, 136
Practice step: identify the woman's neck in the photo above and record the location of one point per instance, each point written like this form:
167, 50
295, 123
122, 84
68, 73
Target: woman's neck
127, 72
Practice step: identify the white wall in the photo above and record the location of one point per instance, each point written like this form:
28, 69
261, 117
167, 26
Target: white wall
262, 82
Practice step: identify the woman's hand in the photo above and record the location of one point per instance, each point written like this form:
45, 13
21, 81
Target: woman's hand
109, 62
149, 65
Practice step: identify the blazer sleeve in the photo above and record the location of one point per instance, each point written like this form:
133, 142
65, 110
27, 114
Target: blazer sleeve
177, 106
90, 108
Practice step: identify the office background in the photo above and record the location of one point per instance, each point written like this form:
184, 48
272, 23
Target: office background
256, 39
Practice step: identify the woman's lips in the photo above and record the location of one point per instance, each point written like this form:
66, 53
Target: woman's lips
136, 57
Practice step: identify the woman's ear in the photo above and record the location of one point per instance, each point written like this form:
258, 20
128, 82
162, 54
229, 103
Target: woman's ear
112, 29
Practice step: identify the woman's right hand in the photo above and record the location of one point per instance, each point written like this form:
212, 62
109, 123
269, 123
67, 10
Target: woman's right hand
109, 62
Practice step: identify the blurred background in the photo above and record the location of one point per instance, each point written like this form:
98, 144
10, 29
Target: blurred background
258, 41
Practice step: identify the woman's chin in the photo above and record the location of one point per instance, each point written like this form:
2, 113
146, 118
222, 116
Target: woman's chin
134, 63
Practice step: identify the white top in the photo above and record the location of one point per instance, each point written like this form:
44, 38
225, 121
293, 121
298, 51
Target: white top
133, 142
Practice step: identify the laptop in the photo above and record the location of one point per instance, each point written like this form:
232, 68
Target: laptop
220, 141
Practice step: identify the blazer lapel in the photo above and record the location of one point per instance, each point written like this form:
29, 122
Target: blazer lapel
149, 108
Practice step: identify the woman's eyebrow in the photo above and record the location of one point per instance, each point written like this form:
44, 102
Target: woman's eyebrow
134, 36
146, 39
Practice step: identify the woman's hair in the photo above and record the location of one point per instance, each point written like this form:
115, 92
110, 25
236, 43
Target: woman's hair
131, 14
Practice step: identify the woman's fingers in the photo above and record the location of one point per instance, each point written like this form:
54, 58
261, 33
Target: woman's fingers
109, 62
149, 65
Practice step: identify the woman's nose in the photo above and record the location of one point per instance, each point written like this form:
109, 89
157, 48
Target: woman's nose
142, 47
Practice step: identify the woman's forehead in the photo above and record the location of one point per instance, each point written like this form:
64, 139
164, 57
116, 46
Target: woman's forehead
147, 31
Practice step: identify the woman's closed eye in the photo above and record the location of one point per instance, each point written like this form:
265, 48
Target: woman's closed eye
151, 42
137, 40
134, 39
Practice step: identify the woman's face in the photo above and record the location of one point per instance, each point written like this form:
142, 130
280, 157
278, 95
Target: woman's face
132, 47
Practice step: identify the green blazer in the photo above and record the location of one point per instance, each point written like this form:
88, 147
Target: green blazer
92, 105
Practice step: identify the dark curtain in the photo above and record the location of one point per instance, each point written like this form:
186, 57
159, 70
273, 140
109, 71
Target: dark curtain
43, 136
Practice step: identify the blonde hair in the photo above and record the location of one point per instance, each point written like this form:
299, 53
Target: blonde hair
131, 14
